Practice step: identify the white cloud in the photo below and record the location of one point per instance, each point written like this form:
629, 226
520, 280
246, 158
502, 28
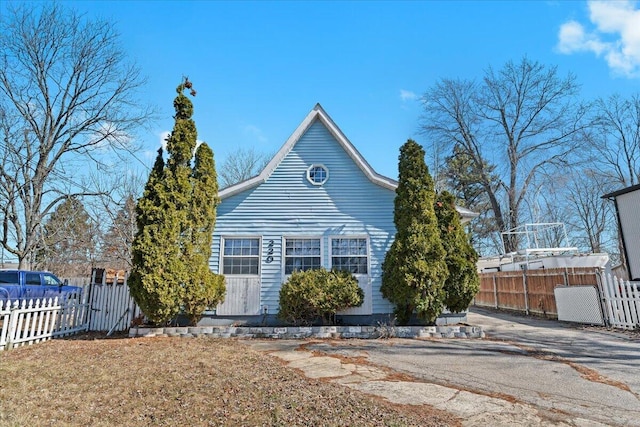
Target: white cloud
108, 135
407, 95
254, 132
149, 156
615, 35
163, 139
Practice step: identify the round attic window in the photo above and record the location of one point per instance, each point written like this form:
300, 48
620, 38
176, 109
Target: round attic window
317, 174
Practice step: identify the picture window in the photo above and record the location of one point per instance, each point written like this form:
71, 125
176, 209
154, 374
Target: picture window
241, 256
301, 255
349, 254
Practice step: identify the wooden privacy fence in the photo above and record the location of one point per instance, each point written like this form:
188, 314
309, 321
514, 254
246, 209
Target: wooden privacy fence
27, 322
530, 291
112, 307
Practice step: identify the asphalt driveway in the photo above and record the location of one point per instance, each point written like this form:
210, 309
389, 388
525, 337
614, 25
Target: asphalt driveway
527, 371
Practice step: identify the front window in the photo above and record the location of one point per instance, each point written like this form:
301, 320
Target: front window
349, 254
301, 255
241, 256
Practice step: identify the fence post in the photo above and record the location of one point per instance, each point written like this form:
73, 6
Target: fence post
524, 288
495, 291
89, 297
13, 325
604, 299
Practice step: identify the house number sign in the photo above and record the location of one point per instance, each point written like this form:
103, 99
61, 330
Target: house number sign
269, 252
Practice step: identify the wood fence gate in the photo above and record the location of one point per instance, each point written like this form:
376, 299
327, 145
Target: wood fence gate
111, 306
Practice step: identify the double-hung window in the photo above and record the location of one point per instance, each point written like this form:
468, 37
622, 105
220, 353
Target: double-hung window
241, 256
301, 255
350, 254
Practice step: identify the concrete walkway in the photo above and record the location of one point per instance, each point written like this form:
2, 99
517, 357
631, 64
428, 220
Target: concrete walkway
440, 373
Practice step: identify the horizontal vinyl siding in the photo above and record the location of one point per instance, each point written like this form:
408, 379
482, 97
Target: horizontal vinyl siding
287, 204
628, 208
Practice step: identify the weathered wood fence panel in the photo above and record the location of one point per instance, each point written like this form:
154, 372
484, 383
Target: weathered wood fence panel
530, 291
112, 306
242, 297
510, 290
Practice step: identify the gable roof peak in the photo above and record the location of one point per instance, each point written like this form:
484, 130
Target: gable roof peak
317, 113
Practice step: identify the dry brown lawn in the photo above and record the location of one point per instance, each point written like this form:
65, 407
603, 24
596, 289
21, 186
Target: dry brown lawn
179, 382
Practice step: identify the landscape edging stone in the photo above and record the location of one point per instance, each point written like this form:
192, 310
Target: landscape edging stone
297, 332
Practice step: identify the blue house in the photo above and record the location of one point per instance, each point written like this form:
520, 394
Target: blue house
318, 203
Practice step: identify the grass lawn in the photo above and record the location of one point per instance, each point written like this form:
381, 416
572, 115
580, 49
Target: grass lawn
91, 381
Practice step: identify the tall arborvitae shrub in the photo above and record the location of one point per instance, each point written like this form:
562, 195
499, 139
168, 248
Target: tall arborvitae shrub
463, 282
203, 288
154, 248
414, 269
176, 216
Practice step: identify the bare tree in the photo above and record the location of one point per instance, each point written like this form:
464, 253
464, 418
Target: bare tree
594, 215
519, 122
615, 142
116, 212
67, 100
615, 138
241, 165
117, 241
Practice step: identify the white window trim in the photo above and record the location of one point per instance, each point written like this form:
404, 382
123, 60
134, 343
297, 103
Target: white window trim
284, 251
351, 236
317, 165
243, 236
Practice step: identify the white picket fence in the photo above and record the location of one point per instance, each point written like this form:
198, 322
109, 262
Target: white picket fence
28, 322
621, 301
103, 306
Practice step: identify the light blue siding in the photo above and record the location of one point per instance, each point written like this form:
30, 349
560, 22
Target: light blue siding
288, 205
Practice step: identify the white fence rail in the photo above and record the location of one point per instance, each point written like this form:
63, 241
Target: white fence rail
27, 322
621, 300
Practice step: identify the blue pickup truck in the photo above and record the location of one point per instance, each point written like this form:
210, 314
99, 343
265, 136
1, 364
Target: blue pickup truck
26, 285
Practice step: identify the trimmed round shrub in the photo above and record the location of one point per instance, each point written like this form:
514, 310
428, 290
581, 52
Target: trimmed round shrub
314, 296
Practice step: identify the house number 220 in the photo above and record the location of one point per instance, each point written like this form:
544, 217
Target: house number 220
270, 252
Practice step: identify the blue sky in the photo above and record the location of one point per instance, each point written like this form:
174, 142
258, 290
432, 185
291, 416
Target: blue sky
259, 67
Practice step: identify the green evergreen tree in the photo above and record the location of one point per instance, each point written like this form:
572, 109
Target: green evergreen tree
463, 282
414, 270
154, 251
204, 288
69, 240
176, 216
466, 184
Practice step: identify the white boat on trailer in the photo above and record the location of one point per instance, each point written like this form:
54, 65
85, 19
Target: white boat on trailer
543, 245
